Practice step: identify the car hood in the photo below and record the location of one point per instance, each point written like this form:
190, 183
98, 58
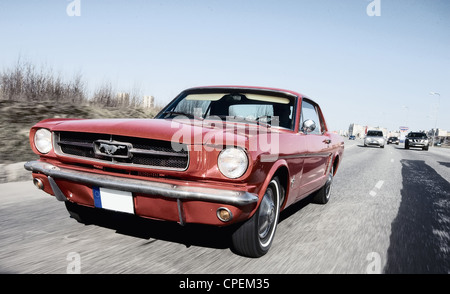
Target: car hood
183, 131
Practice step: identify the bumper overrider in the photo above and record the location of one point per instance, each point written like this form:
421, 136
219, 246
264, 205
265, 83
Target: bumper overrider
178, 202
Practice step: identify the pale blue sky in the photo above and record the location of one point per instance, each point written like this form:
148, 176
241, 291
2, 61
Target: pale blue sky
370, 70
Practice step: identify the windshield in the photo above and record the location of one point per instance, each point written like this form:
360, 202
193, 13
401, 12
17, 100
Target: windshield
375, 134
417, 135
247, 107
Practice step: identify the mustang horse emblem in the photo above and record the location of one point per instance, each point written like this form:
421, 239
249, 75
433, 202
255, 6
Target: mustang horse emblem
110, 149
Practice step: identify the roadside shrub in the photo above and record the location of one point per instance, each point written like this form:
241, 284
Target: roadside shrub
26, 82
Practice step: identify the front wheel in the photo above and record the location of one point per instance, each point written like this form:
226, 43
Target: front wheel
254, 237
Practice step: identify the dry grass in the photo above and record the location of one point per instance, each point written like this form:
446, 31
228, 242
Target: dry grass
29, 94
16, 119
24, 81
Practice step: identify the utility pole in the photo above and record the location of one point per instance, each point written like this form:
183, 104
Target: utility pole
437, 113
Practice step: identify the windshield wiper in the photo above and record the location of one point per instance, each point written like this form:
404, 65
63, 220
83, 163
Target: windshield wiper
189, 115
234, 118
257, 121
266, 123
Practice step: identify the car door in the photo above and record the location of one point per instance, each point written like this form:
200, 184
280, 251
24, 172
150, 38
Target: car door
318, 143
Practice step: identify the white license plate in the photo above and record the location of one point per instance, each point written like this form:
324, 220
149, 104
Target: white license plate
113, 199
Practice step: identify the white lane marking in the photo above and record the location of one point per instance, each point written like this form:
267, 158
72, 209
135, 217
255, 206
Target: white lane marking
378, 186
392, 159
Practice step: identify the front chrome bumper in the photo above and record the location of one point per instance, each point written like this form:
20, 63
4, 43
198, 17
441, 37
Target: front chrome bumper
236, 198
417, 144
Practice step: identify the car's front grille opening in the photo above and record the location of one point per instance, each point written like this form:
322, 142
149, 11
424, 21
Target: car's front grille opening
122, 150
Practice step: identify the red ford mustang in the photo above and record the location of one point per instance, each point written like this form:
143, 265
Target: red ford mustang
214, 155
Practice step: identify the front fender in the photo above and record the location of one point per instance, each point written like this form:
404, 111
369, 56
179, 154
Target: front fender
280, 163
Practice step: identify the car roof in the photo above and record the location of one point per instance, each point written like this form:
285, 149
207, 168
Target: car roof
250, 88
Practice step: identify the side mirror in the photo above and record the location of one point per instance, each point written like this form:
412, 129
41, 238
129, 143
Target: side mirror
308, 126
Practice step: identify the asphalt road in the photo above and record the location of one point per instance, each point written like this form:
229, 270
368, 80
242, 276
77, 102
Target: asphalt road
389, 213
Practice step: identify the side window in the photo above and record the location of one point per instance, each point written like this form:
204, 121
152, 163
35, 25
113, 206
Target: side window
309, 112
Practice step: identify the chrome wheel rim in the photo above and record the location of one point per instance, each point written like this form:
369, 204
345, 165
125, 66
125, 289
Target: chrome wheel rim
268, 214
328, 184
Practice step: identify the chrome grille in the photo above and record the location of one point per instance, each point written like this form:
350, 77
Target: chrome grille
129, 151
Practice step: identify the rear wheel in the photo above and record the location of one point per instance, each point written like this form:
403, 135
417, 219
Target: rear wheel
323, 195
254, 237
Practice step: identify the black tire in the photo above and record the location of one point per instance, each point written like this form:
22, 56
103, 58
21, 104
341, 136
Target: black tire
254, 237
382, 146
425, 148
323, 195
406, 145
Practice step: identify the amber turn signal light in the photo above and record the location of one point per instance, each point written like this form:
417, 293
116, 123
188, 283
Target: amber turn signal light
224, 214
38, 183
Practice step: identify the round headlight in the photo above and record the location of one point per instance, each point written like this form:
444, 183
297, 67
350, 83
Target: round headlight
43, 140
232, 162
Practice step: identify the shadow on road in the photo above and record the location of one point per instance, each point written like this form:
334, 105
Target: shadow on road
190, 234
447, 164
131, 225
294, 208
420, 240
410, 148
369, 146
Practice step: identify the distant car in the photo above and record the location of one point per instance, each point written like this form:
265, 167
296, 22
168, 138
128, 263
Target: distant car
374, 138
352, 138
393, 140
417, 139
